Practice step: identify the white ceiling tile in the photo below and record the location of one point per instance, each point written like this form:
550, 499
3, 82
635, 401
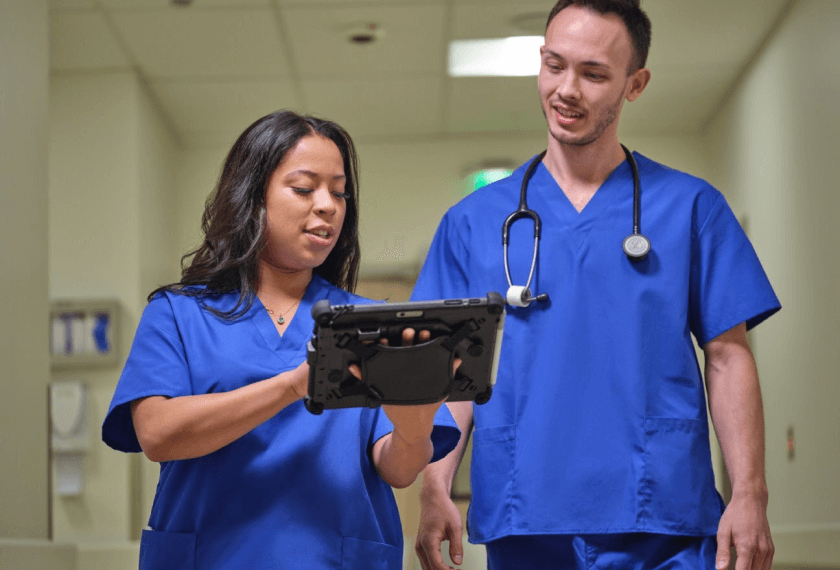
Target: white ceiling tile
196, 107
688, 32
196, 4
82, 40
203, 43
412, 40
219, 64
353, 3
378, 107
71, 4
496, 19
494, 104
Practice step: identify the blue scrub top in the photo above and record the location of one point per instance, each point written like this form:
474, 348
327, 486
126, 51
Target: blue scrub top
299, 490
597, 422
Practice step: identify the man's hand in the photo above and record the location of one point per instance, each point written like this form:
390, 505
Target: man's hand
440, 520
744, 525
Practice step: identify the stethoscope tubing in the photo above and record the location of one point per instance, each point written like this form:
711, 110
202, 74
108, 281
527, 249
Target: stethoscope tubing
634, 169
523, 212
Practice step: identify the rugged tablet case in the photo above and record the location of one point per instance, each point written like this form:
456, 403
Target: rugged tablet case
468, 328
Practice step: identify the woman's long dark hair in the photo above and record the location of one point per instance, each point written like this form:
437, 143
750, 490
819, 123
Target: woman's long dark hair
234, 223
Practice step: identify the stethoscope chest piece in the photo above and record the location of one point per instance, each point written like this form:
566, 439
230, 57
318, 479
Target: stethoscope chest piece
636, 246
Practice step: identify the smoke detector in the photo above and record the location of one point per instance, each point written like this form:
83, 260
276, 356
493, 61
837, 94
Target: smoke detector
363, 33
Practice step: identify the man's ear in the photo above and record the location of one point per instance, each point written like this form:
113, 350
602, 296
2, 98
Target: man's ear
638, 81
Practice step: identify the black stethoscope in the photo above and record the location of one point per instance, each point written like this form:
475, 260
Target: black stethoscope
636, 246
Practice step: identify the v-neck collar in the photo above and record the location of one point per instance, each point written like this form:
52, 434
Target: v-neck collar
548, 199
293, 340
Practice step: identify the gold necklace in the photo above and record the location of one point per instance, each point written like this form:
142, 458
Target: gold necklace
281, 320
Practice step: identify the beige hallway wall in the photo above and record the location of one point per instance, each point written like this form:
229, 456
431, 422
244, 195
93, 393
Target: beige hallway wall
24, 368
112, 233
774, 147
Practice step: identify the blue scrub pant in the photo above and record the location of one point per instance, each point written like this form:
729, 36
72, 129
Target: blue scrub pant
637, 551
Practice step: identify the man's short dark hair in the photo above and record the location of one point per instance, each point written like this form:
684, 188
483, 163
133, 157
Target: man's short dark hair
630, 12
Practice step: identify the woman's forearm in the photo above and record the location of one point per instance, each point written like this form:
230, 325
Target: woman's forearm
186, 427
400, 460
402, 454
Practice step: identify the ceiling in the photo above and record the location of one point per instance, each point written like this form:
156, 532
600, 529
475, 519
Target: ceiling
216, 65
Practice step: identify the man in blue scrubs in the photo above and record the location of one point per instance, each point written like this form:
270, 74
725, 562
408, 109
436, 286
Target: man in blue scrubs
594, 450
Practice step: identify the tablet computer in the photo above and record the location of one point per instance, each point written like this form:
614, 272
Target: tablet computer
468, 328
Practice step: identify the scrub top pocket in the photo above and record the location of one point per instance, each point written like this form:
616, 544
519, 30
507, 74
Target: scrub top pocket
492, 474
167, 550
358, 554
678, 471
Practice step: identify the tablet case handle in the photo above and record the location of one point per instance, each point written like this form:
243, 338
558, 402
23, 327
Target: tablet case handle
423, 369
412, 364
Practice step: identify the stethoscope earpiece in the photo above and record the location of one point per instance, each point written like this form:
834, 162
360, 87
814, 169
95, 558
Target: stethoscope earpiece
518, 296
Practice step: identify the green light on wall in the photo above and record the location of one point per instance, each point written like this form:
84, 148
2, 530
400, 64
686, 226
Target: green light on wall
485, 176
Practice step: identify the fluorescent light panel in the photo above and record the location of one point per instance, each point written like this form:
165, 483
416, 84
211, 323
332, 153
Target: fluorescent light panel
517, 56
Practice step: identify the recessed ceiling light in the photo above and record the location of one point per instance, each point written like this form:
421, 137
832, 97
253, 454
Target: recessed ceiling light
516, 56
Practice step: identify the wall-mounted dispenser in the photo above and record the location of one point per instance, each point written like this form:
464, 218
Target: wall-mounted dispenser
70, 435
84, 334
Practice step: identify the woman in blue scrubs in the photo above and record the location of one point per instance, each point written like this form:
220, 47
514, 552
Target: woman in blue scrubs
213, 384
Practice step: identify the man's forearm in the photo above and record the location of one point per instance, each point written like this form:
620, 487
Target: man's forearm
737, 410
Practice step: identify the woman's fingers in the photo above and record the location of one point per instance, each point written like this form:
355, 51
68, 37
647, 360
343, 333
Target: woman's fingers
409, 333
